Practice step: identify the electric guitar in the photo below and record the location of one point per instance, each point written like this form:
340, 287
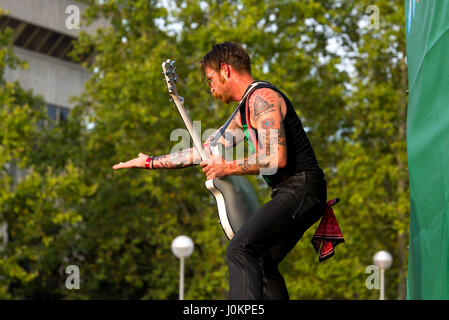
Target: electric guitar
235, 197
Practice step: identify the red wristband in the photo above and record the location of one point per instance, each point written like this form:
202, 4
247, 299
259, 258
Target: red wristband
147, 163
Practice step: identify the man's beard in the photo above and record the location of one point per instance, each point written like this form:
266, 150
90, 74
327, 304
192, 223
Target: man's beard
225, 97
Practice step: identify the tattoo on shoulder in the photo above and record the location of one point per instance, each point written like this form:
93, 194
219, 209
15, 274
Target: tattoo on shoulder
261, 106
268, 123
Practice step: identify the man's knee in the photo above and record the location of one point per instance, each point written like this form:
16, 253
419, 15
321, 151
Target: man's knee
242, 248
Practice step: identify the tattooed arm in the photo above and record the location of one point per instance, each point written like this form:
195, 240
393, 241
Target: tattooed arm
176, 160
188, 157
181, 159
266, 108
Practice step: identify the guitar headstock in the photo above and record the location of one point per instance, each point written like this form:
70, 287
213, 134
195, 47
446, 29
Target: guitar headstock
169, 72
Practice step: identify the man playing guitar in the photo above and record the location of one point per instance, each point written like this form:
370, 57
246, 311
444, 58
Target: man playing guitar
281, 153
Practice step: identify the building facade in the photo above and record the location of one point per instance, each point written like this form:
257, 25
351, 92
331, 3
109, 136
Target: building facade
44, 31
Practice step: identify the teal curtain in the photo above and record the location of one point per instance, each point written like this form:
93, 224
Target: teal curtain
427, 30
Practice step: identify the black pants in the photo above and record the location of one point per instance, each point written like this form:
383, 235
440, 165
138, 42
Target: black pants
268, 236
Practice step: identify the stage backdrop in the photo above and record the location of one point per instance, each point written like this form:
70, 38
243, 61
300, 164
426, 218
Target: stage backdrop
427, 29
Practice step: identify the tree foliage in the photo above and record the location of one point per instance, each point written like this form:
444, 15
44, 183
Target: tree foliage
37, 206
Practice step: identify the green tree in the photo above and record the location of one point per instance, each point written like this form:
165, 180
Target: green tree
377, 163
36, 207
370, 169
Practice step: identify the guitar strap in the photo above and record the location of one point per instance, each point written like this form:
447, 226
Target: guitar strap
217, 137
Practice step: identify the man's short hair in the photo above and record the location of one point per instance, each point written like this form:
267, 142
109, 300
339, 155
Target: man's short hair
227, 52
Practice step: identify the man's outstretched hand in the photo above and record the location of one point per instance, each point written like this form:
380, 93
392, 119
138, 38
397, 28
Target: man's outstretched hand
138, 162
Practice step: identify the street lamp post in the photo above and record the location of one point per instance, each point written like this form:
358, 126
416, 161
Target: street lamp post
383, 260
182, 247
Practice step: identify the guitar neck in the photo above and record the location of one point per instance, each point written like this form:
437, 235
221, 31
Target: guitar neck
188, 123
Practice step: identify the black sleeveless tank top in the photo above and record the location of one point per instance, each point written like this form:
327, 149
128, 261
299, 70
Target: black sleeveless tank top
300, 155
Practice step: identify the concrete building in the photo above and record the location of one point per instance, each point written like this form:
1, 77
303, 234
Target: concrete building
44, 31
